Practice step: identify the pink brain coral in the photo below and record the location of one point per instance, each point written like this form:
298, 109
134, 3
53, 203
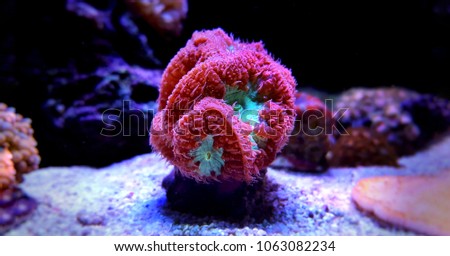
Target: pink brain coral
225, 108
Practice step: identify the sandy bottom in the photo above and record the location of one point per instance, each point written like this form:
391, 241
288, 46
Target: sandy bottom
127, 199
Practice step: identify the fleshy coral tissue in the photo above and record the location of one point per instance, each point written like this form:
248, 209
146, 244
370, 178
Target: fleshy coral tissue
225, 109
18, 156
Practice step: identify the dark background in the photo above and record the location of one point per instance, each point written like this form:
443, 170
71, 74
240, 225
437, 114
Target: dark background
338, 45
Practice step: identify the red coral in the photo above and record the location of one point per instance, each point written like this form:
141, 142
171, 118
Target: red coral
312, 135
225, 108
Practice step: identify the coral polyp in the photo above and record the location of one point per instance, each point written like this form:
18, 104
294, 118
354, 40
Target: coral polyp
225, 108
209, 159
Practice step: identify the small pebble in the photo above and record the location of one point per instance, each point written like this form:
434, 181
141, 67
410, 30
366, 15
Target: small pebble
86, 218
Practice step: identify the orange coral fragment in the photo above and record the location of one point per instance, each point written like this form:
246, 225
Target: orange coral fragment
164, 15
7, 171
16, 135
234, 93
419, 203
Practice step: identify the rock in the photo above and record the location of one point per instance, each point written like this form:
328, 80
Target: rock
362, 147
312, 136
100, 118
87, 218
226, 199
380, 109
15, 208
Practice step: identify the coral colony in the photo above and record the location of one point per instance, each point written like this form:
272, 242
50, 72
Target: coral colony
18, 156
16, 136
225, 111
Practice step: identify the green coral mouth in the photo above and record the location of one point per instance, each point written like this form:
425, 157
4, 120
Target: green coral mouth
246, 107
210, 159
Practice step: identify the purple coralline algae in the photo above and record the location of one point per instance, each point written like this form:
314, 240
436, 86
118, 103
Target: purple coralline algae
15, 208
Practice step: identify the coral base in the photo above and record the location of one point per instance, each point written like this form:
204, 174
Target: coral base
227, 199
15, 208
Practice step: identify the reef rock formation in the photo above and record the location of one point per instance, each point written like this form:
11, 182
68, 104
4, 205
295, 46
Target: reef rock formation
102, 117
165, 16
225, 109
134, 27
312, 136
380, 109
430, 113
362, 147
15, 208
402, 115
